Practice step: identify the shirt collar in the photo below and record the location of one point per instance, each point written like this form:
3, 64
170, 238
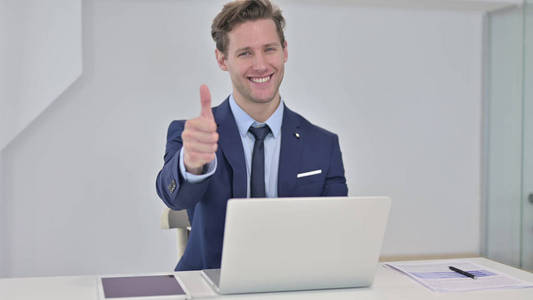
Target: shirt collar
244, 121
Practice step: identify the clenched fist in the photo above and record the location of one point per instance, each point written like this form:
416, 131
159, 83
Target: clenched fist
200, 136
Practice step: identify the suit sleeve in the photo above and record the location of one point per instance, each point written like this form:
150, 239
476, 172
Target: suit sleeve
335, 180
175, 192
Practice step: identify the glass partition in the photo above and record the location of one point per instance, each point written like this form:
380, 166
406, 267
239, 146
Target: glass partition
527, 181
508, 145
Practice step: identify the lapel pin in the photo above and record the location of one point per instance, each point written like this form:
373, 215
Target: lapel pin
297, 135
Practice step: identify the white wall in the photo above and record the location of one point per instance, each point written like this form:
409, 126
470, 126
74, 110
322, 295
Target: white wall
43, 56
402, 88
3, 66
3, 223
3, 71
40, 56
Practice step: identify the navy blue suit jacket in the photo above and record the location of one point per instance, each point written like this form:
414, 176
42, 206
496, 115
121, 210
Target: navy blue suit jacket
304, 147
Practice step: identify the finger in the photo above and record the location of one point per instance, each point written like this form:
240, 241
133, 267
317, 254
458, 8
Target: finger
197, 147
197, 159
205, 98
199, 136
201, 124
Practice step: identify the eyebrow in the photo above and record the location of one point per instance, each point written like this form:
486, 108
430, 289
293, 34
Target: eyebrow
272, 45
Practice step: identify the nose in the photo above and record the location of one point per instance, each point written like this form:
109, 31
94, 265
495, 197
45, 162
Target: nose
259, 63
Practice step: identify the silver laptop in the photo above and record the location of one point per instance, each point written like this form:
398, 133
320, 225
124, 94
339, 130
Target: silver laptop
284, 244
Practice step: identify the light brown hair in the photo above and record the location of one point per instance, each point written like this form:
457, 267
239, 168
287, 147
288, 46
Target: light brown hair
240, 11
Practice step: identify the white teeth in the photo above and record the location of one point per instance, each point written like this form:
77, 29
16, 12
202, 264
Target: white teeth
260, 80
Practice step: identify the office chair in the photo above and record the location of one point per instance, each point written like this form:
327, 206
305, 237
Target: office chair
179, 220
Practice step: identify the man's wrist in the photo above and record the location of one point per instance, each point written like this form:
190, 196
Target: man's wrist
206, 171
195, 171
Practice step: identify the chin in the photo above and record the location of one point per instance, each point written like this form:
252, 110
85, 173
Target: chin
263, 97
266, 99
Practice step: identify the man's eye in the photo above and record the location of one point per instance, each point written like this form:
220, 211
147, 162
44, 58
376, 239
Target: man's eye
270, 49
244, 53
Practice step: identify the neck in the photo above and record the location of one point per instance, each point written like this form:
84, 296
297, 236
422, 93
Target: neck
258, 111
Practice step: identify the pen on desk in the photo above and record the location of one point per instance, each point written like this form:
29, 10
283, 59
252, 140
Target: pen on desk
465, 273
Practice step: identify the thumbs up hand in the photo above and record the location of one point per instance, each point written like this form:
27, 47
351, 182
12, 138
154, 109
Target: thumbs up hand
200, 136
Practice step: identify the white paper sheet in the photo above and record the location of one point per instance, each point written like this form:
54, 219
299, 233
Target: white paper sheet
438, 277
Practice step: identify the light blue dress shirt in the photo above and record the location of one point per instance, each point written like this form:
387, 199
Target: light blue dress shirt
272, 148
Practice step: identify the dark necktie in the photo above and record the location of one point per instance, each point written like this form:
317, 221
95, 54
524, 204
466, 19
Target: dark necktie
257, 178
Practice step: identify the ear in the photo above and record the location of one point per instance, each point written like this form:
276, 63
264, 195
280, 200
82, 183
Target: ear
221, 60
285, 53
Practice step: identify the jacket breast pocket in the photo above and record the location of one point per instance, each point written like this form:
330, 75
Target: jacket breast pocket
309, 184
307, 177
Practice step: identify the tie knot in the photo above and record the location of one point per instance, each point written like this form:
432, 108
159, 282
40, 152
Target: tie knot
259, 132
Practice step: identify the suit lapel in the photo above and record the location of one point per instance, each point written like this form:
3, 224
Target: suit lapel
231, 147
290, 152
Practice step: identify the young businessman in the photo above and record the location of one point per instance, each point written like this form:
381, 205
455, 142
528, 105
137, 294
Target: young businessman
251, 145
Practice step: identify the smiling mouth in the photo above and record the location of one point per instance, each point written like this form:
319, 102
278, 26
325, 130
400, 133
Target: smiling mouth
260, 79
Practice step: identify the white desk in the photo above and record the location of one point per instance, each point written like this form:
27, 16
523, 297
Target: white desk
388, 284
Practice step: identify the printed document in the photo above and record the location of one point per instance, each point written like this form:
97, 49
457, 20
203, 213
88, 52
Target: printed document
437, 276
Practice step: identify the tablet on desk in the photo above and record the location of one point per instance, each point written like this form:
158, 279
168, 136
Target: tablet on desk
145, 287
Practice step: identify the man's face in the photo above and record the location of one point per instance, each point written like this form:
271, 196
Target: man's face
255, 60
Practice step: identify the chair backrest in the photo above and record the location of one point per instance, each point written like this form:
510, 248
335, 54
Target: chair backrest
175, 219
179, 220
